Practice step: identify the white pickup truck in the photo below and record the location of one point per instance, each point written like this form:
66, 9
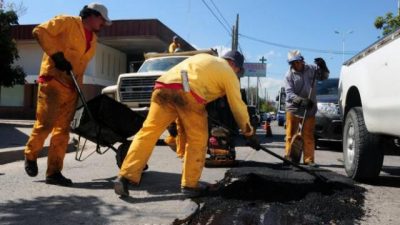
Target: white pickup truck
369, 100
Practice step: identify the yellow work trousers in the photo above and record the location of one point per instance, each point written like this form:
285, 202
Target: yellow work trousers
292, 128
180, 140
178, 143
55, 109
166, 106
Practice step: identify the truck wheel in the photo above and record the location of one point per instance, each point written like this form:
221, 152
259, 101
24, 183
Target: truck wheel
362, 156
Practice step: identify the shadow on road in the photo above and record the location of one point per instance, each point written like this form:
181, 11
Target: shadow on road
387, 181
59, 210
12, 137
154, 182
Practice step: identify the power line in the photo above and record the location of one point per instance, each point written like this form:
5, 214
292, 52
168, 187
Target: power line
219, 12
216, 17
225, 26
297, 47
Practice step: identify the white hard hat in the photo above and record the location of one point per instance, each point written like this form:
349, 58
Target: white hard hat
294, 55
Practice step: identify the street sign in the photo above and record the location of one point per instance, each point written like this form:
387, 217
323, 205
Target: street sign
255, 69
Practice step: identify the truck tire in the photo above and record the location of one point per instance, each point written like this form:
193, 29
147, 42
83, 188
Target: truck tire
362, 155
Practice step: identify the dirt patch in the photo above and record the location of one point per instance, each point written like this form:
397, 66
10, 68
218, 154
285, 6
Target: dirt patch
272, 195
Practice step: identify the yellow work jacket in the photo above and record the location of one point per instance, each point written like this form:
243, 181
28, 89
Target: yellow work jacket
210, 78
173, 46
64, 34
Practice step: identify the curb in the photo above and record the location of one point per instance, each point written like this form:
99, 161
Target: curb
17, 153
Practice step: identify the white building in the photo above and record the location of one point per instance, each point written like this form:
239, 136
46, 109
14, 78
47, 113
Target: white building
119, 50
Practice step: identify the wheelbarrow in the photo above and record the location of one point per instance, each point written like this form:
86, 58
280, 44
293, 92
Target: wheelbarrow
104, 121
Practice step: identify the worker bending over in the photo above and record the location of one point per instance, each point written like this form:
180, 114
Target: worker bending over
182, 93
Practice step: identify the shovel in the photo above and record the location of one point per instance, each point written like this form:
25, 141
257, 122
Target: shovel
311, 172
297, 142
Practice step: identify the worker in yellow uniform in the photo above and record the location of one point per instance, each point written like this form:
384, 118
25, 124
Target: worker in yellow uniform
182, 93
69, 43
175, 45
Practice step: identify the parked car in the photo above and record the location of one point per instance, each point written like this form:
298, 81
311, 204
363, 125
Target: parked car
281, 118
255, 118
328, 123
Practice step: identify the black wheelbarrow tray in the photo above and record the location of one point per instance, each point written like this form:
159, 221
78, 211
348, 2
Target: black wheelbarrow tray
104, 121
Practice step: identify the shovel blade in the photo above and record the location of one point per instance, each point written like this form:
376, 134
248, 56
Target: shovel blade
296, 148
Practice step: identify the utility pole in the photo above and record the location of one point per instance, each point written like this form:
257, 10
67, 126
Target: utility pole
235, 34
262, 60
398, 7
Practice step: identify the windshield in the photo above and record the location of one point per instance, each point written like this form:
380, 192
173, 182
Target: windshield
160, 64
328, 87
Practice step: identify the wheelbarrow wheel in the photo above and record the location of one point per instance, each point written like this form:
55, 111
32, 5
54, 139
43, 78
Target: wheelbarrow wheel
121, 154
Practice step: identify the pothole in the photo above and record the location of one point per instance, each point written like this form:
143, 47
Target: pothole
272, 195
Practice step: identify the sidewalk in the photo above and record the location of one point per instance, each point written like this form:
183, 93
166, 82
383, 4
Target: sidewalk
14, 135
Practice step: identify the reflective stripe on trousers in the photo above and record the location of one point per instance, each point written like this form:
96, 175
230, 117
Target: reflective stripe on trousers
166, 106
292, 127
55, 109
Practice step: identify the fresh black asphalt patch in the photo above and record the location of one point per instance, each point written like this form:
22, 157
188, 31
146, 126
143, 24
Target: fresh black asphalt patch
260, 193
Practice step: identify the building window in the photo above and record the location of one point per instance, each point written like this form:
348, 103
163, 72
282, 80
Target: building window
12, 96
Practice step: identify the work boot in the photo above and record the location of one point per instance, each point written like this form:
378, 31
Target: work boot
193, 192
121, 186
31, 167
58, 179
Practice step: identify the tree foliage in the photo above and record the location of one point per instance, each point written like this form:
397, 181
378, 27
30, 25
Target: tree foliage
388, 24
10, 74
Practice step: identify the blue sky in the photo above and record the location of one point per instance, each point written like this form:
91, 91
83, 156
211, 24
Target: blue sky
265, 26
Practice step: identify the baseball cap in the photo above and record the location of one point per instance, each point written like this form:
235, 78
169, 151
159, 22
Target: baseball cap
236, 57
102, 10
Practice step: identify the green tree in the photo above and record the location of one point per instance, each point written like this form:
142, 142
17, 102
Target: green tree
10, 74
388, 24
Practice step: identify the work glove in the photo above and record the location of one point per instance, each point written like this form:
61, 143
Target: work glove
321, 64
253, 142
303, 102
60, 62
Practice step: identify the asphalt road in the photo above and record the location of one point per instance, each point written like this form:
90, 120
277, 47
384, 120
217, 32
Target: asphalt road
26, 200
